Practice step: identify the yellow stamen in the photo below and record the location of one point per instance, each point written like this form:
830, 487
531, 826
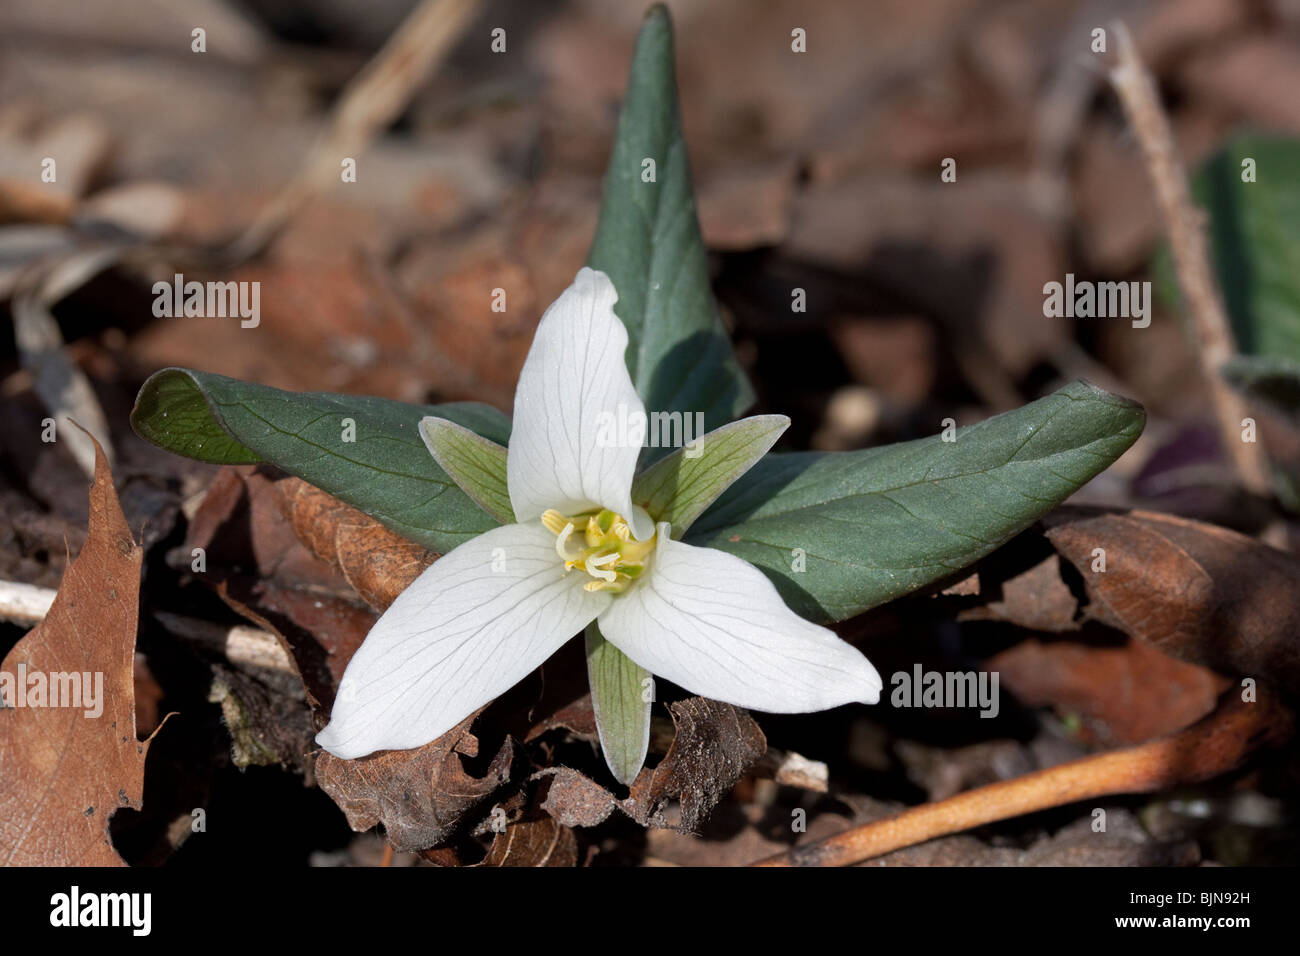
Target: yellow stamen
554, 521
612, 557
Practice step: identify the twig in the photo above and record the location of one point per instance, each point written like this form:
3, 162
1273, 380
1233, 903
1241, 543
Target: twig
24, 603
240, 644
1211, 747
1185, 224
374, 98
27, 604
793, 770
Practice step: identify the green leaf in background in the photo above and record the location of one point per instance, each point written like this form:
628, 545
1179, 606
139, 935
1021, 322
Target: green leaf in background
648, 242
679, 488
1270, 380
1255, 240
386, 472
621, 705
477, 465
869, 526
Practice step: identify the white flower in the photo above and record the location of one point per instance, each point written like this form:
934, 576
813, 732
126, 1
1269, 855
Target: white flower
486, 614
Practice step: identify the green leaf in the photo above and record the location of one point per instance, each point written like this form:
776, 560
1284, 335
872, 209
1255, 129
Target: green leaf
621, 705
477, 465
1274, 382
386, 471
679, 488
873, 525
648, 242
1255, 239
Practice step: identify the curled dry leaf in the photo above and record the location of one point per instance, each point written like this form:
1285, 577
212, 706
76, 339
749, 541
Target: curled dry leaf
1197, 591
65, 769
242, 529
714, 745
376, 562
418, 795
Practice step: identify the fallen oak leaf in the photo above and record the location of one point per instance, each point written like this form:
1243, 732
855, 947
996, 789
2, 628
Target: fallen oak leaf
65, 773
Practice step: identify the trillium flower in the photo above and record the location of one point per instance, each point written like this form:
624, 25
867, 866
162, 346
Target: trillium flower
487, 613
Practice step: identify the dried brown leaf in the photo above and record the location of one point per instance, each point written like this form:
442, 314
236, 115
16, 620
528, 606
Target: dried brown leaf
1202, 593
418, 795
541, 842
714, 745
376, 562
65, 773
1127, 693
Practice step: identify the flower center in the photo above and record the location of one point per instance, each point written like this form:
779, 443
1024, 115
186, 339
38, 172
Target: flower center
601, 544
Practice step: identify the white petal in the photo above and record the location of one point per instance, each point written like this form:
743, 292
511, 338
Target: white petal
715, 625
471, 626
574, 386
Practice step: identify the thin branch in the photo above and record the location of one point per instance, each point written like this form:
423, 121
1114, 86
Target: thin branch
27, 604
1211, 747
1185, 224
374, 98
24, 603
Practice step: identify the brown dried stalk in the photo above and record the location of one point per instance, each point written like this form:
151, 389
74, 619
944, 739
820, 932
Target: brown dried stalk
374, 98
1213, 746
1185, 224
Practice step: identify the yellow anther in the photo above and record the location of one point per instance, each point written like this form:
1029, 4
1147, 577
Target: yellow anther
554, 521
